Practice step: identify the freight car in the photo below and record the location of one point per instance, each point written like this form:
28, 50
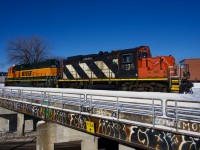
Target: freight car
130, 70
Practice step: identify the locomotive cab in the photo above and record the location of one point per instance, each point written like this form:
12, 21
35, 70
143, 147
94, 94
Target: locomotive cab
127, 61
11, 72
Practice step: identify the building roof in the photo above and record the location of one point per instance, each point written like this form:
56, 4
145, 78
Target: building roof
188, 59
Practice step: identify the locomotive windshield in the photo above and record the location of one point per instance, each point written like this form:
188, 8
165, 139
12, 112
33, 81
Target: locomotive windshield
144, 53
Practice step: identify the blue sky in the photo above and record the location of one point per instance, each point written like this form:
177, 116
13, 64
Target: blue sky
78, 27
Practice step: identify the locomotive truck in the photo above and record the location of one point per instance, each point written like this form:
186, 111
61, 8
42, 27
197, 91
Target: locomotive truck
131, 69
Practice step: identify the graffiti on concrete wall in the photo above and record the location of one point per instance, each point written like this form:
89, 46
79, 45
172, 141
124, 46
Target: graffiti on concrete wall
148, 137
183, 125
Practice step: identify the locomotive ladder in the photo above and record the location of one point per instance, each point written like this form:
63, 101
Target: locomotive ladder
174, 81
175, 87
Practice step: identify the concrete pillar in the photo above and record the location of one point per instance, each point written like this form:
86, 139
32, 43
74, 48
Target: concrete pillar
20, 124
11, 116
64, 134
89, 143
4, 125
45, 136
123, 147
50, 133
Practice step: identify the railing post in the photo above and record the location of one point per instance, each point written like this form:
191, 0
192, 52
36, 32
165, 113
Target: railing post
176, 113
62, 101
48, 99
3, 92
31, 98
118, 109
22, 93
164, 106
44, 97
90, 104
18, 94
153, 109
10, 92
80, 107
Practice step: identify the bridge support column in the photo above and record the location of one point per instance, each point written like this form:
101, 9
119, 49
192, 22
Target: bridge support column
45, 136
89, 143
123, 147
4, 124
50, 134
8, 120
20, 124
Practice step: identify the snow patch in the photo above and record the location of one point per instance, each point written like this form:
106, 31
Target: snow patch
196, 90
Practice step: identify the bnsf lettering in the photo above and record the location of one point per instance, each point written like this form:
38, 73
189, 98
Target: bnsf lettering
26, 73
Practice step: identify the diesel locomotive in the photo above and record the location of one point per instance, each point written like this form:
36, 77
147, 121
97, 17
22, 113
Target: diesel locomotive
129, 70
42, 74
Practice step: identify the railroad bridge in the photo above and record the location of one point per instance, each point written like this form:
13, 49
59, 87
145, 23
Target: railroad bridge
148, 123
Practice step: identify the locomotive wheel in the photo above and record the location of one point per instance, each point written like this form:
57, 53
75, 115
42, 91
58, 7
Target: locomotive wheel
143, 86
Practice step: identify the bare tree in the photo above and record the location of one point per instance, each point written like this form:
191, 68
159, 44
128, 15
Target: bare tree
27, 50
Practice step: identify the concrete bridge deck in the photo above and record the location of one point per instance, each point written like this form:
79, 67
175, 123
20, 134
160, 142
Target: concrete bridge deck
149, 123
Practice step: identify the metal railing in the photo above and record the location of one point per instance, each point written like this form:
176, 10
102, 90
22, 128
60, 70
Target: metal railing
180, 110
125, 105
42, 97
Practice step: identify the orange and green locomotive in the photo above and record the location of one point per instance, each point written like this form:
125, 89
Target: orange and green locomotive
42, 74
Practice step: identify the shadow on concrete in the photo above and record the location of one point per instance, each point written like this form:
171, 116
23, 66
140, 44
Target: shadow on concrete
107, 144
73, 145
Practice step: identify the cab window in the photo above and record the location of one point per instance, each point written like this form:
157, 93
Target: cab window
126, 58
